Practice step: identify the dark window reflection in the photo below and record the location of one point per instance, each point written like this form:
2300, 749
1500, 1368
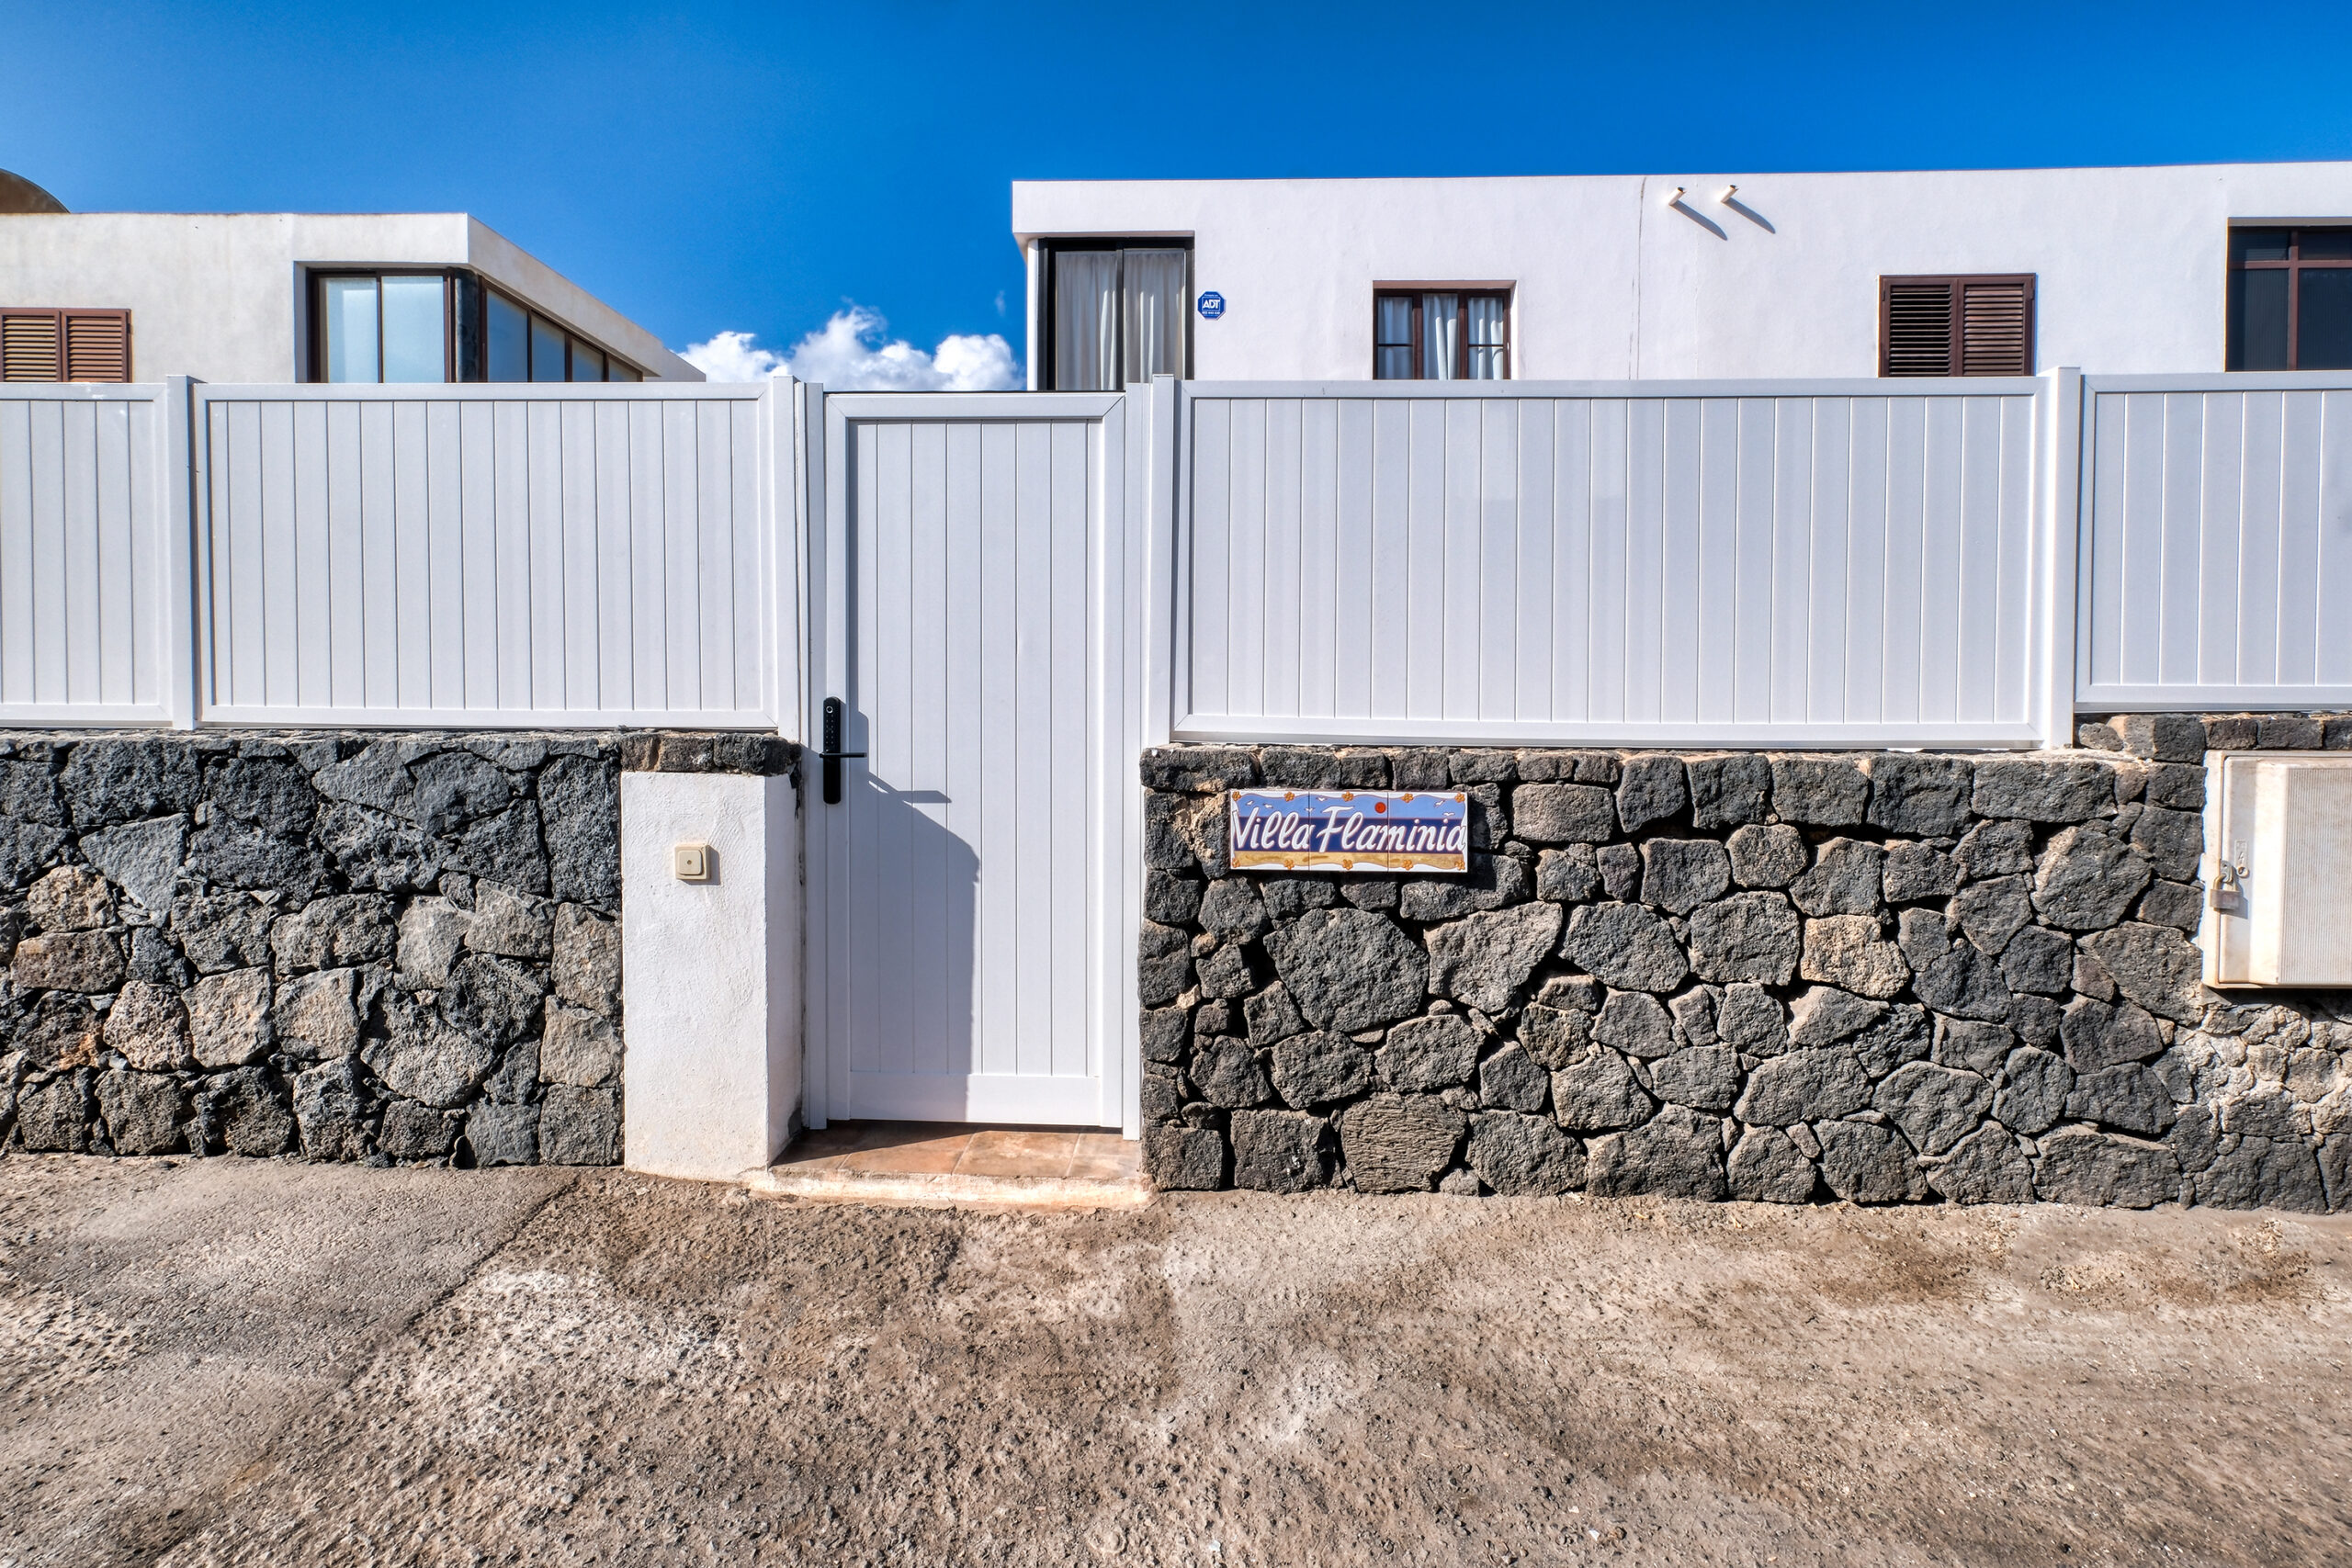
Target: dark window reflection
2290, 305
510, 340
547, 351
2323, 341
2258, 321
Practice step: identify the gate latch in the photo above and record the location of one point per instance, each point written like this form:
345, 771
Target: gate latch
832, 754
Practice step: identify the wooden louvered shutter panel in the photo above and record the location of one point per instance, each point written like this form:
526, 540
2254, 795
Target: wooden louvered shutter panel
98, 345
29, 345
1919, 328
1996, 327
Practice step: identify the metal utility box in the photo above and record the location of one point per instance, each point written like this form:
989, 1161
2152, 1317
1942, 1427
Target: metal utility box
2277, 870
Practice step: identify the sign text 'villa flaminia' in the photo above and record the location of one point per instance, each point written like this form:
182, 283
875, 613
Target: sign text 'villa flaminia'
1351, 829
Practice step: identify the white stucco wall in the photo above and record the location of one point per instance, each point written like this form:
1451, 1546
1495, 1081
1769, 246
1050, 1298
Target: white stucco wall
1611, 283
219, 295
711, 974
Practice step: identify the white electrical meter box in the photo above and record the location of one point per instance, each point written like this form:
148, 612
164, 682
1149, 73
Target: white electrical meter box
2277, 870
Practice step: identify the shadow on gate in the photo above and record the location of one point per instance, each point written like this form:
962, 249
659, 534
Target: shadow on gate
915, 896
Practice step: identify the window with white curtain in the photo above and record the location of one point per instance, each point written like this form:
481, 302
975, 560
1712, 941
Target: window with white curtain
1152, 300
1116, 312
1441, 335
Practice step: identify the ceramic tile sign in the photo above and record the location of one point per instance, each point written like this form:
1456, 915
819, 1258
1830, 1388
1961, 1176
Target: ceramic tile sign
1349, 829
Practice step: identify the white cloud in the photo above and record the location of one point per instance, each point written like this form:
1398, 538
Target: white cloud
853, 354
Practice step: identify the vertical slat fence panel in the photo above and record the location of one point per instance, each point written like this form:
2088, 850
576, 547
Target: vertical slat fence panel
84, 510
2215, 563
484, 556
1645, 563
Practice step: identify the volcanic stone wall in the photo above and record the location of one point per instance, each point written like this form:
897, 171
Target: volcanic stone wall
1881, 977
389, 948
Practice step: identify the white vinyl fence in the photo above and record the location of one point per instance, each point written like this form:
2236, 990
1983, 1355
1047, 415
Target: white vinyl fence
2217, 542
93, 542
1652, 563
496, 555
1855, 563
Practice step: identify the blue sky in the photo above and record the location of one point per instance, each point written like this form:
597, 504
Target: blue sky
752, 168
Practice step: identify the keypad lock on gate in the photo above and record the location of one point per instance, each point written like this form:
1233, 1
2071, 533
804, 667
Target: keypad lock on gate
832, 754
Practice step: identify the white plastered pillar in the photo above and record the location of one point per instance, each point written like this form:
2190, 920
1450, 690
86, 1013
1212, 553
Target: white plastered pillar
710, 973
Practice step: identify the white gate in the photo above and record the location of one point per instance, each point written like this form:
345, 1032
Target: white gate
971, 881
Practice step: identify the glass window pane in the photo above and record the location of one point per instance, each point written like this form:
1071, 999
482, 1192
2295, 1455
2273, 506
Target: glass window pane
616, 371
415, 346
1485, 325
546, 351
1086, 322
509, 340
465, 325
351, 329
1393, 320
1441, 332
2326, 244
2323, 326
2259, 244
587, 361
1155, 301
1393, 363
1486, 320
2258, 321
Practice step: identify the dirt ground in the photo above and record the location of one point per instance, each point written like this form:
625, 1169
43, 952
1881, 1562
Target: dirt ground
227, 1362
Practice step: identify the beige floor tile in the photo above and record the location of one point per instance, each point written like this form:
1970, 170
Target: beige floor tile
995, 1153
914, 1156
821, 1149
932, 1148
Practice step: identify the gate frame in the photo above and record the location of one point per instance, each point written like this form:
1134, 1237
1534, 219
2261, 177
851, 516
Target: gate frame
1127, 685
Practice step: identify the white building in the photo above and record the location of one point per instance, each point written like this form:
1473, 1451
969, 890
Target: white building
2173, 269
266, 297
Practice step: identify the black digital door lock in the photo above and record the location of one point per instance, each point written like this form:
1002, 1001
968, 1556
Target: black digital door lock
832, 754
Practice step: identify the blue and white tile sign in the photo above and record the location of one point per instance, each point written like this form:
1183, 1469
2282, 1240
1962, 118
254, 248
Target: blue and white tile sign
1211, 305
1349, 829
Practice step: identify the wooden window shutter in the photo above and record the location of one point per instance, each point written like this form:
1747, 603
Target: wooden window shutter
65, 346
1956, 326
98, 345
1996, 327
29, 345
1916, 334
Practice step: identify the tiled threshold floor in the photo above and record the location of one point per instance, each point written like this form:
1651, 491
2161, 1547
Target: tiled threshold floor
930, 1162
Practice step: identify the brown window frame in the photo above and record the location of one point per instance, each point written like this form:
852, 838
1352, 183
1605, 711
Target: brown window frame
1955, 363
2294, 265
1464, 293
450, 296
60, 315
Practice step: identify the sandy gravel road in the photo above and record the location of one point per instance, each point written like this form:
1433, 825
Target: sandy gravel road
226, 1362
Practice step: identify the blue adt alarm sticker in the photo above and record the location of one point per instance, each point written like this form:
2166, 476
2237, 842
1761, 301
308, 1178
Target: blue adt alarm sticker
1211, 305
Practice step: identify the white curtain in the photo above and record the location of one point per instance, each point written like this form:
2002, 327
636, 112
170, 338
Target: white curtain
1086, 321
1156, 306
1485, 338
1441, 332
